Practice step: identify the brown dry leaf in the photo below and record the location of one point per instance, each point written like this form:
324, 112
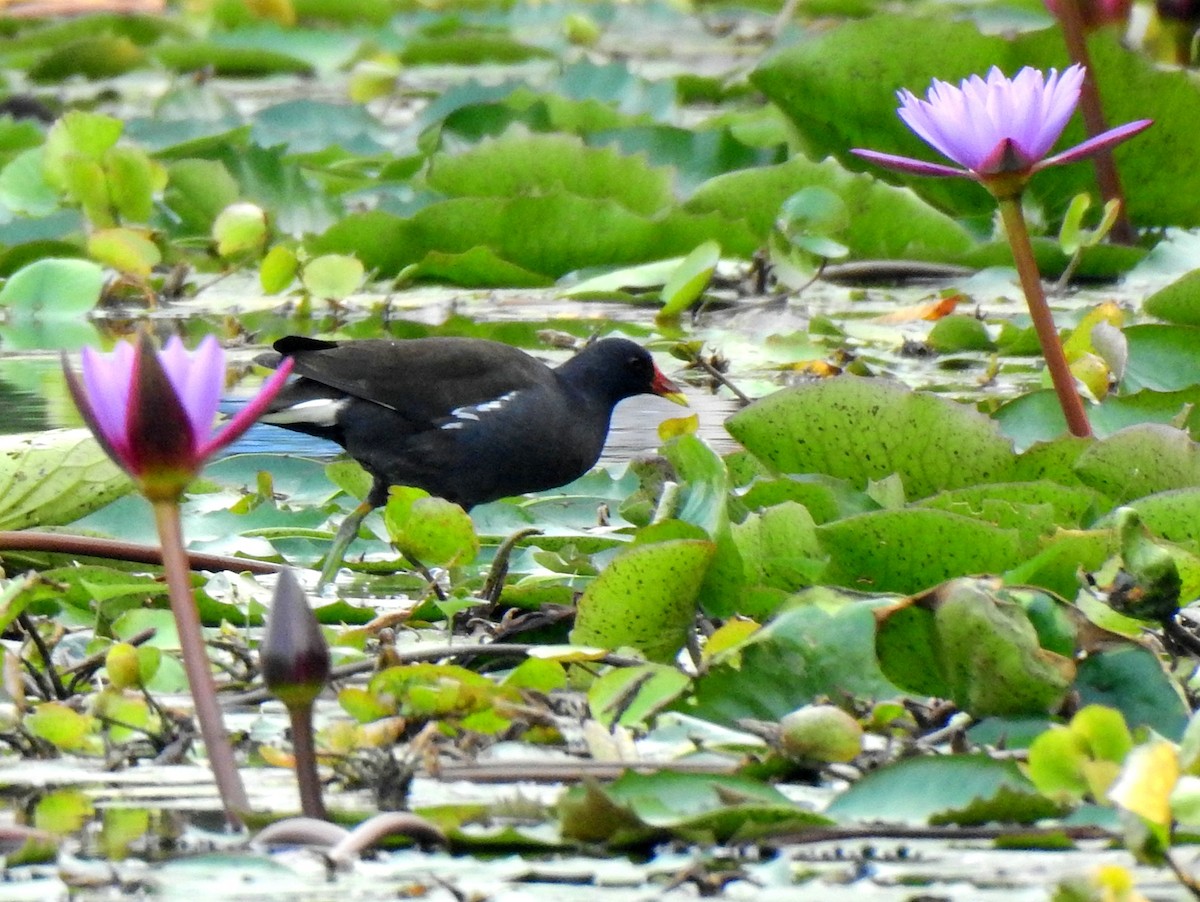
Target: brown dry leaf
931, 310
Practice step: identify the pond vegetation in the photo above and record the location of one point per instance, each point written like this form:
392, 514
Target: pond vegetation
870, 620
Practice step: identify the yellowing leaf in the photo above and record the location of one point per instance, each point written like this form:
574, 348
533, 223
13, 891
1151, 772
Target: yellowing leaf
731, 633
677, 426
1147, 779
127, 250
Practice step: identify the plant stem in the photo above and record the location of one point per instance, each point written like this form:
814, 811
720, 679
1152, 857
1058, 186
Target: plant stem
305, 754
1070, 17
93, 546
1043, 321
195, 662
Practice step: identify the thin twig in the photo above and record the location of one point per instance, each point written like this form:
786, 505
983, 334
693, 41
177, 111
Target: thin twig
697, 359
1187, 880
437, 653
426, 575
902, 831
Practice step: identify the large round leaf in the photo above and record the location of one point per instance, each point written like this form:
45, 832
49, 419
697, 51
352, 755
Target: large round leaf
645, 599
867, 429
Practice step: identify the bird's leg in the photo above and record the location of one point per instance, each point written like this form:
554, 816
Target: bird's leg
346, 534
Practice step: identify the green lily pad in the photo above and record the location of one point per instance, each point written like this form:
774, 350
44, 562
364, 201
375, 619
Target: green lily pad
644, 599
943, 789
55, 478
803, 655
867, 429
1139, 461
699, 807
965, 642
53, 289
914, 548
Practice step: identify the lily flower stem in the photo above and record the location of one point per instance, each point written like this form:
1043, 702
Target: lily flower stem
196, 665
1070, 17
305, 754
1043, 322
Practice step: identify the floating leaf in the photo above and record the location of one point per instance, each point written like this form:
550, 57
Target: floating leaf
940, 789
864, 429
126, 250
884, 222
55, 478
53, 289
699, 807
431, 530
631, 695
644, 599
518, 164
332, 276
1141, 460
911, 549
802, 655
966, 642
689, 280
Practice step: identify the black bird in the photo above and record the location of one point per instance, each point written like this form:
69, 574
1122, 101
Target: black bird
466, 419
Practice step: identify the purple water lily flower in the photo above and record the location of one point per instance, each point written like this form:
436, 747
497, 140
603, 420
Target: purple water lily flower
153, 412
998, 129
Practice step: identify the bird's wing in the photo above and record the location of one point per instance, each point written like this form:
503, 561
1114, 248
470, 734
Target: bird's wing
423, 379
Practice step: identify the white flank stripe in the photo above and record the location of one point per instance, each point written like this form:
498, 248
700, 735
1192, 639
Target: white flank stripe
318, 412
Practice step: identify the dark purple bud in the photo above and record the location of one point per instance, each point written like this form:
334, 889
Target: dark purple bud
294, 656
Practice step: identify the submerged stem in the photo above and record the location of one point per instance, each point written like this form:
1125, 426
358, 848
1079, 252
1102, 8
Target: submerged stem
1043, 321
195, 663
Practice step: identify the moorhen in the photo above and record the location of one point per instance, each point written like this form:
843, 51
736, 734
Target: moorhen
467, 419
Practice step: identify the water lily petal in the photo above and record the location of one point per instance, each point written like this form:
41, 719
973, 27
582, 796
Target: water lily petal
1103, 141
161, 438
1057, 98
198, 378
80, 397
944, 124
908, 164
252, 410
107, 380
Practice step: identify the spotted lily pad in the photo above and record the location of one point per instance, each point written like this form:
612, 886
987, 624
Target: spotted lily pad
966, 642
868, 429
645, 598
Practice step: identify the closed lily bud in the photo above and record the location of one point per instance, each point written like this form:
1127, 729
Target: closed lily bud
294, 656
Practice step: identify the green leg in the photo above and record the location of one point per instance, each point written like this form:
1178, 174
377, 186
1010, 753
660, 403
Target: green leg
346, 534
